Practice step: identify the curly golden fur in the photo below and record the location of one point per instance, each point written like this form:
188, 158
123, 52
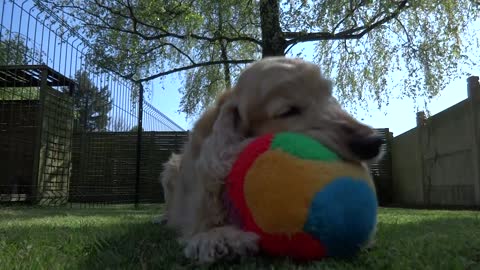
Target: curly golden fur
272, 95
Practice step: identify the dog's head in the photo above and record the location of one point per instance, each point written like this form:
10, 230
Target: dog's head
284, 94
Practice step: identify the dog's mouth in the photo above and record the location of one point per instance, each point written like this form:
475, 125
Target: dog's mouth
366, 148
358, 149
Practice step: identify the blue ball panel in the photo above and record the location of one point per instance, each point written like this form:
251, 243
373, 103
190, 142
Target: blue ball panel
342, 216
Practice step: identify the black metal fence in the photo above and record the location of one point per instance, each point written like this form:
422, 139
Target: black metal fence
107, 162
36, 132
71, 132
381, 170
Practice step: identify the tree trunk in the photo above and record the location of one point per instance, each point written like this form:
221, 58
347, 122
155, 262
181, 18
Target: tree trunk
274, 43
226, 66
223, 50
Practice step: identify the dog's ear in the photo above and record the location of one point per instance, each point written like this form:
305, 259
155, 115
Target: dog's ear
228, 119
226, 111
204, 125
221, 146
223, 97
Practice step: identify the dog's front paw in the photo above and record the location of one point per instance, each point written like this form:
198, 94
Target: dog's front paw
219, 243
203, 248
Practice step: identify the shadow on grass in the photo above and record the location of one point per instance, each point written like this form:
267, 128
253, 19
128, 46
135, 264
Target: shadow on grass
443, 243
31, 212
406, 240
141, 246
440, 243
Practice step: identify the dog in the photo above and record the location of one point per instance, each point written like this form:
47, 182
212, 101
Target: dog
272, 95
168, 176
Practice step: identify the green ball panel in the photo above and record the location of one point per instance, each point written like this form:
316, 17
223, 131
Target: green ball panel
302, 146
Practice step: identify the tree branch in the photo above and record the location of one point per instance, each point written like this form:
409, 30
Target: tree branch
409, 38
349, 14
164, 33
162, 43
353, 33
175, 70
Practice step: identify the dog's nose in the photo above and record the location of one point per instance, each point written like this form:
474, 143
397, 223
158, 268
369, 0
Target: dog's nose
366, 147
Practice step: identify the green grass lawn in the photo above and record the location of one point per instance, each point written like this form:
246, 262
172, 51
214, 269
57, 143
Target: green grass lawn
124, 238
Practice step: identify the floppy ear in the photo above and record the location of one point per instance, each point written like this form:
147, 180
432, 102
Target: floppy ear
223, 97
226, 124
221, 147
204, 125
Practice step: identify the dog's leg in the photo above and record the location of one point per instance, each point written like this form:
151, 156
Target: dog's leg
220, 242
168, 178
371, 241
217, 155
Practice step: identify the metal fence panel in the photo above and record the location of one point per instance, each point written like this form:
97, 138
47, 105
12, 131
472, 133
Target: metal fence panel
56, 108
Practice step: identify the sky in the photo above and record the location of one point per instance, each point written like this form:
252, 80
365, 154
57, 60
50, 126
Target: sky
399, 116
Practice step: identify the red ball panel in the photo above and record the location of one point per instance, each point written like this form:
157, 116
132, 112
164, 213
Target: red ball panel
235, 180
299, 246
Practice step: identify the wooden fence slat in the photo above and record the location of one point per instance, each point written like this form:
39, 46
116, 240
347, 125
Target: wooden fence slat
110, 162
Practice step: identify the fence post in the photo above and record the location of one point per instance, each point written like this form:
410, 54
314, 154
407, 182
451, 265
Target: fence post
39, 156
139, 143
473, 90
421, 123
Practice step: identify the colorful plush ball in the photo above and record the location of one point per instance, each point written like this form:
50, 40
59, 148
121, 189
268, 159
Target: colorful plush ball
300, 198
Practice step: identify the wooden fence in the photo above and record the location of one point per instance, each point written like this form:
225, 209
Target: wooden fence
104, 165
437, 163
35, 134
18, 130
381, 170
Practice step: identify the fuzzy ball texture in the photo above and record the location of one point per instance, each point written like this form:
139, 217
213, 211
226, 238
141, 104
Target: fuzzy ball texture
300, 198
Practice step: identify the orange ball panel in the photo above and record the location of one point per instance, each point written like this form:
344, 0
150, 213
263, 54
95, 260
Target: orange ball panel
279, 188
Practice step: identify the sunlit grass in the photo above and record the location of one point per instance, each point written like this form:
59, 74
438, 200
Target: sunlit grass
125, 238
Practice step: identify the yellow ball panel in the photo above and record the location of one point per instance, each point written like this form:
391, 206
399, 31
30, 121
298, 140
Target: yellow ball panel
279, 188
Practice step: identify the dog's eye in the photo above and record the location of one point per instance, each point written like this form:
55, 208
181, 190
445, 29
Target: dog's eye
291, 111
